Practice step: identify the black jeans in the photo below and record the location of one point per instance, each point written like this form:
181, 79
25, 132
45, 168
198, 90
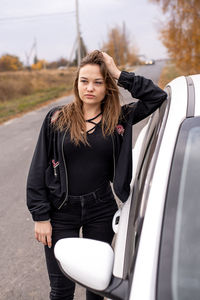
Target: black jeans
93, 212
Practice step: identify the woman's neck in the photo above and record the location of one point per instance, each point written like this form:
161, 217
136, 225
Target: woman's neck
91, 111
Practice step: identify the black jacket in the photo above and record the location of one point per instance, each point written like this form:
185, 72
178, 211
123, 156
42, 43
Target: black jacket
47, 183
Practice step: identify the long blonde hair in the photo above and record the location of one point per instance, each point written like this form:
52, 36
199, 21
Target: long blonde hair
71, 115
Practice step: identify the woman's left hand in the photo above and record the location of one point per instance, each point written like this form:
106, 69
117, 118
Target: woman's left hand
112, 68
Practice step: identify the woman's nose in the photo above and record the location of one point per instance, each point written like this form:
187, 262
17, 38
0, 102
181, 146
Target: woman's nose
90, 86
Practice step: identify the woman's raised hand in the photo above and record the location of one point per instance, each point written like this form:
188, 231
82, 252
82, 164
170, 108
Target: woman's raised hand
112, 68
43, 232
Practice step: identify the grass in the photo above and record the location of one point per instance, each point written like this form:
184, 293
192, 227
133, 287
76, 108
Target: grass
9, 109
169, 72
23, 91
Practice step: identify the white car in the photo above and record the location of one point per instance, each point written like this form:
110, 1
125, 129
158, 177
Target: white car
156, 255
149, 62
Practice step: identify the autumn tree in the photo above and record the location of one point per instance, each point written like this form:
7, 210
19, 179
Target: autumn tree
61, 62
41, 64
10, 63
118, 46
181, 33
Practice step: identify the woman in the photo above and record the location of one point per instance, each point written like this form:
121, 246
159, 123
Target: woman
82, 147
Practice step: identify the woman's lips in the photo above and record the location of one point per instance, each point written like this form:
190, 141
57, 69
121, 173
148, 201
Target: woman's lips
89, 96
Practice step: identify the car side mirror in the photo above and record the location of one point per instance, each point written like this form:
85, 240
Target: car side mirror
88, 262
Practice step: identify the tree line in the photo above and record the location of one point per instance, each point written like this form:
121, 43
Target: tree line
117, 45
10, 62
181, 33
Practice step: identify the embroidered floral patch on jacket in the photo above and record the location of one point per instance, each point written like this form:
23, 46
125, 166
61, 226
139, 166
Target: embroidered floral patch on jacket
120, 129
55, 165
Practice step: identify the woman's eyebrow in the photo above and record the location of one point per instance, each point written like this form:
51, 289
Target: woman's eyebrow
94, 79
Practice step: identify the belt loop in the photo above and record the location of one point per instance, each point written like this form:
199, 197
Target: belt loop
82, 201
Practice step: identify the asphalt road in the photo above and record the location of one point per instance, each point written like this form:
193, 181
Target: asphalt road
23, 272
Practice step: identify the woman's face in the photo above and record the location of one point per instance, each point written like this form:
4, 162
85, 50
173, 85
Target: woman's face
91, 84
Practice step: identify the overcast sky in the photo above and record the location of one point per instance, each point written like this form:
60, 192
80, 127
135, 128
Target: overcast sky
55, 33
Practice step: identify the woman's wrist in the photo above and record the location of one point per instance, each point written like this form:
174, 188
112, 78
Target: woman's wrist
117, 74
45, 221
112, 68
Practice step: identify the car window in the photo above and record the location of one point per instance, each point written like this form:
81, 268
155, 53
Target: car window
179, 266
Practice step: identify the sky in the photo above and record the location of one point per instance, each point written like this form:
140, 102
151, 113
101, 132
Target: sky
52, 23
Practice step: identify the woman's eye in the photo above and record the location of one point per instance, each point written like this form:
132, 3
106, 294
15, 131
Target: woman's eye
84, 81
99, 82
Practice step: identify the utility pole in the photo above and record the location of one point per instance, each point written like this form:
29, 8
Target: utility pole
35, 46
28, 55
78, 34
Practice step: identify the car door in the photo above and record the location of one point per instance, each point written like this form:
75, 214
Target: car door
133, 211
179, 260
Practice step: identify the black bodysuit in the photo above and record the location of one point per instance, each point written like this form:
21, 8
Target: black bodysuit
89, 166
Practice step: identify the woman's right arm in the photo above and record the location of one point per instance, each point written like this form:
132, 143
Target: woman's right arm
37, 198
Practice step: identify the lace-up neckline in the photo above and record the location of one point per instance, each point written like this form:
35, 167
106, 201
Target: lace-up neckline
92, 122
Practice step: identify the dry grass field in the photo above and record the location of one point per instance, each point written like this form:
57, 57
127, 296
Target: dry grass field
169, 72
22, 91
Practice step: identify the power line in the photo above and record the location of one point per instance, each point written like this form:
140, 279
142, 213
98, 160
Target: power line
28, 18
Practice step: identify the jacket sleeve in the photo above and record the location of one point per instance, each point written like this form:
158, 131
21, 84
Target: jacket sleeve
37, 199
149, 96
